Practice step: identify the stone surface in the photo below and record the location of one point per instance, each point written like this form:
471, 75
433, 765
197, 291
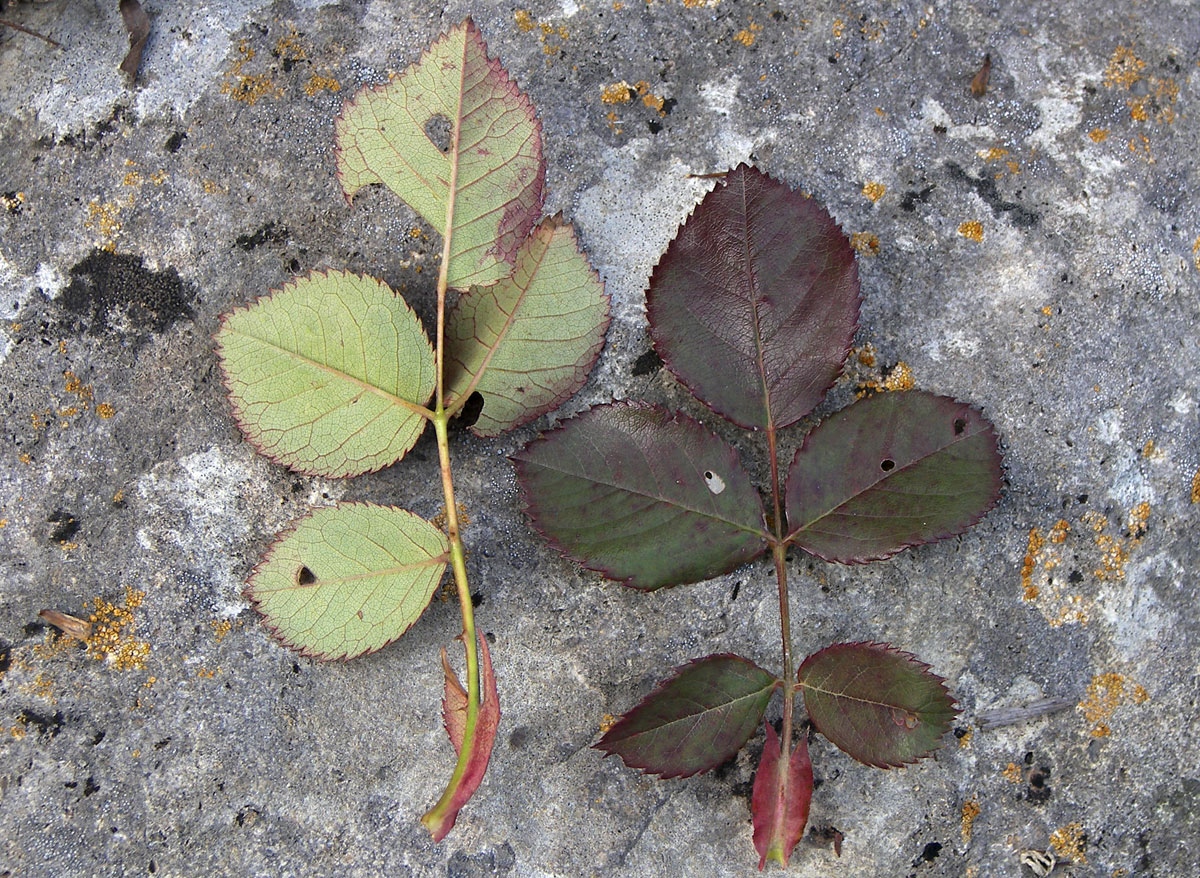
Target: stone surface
1032, 251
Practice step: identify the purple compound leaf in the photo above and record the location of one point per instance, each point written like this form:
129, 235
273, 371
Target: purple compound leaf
880, 705
645, 498
891, 471
755, 302
695, 720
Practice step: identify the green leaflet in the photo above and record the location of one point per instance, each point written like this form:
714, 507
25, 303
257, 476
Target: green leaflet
528, 343
484, 191
328, 375
349, 579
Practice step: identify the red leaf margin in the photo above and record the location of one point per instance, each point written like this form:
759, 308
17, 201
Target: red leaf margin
780, 800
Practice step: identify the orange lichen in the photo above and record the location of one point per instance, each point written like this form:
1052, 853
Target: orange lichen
617, 93
206, 674
112, 629
1012, 773
1069, 842
524, 20
992, 155
1140, 146
1195, 258
1124, 68
1030, 591
220, 628
972, 229
317, 83
747, 35
1098, 135
1196, 487
970, 810
865, 243
873, 191
1105, 693
900, 378
865, 354
839, 28
607, 723
1059, 532
965, 741
1136, 522
40, 686
247, 88
105, 411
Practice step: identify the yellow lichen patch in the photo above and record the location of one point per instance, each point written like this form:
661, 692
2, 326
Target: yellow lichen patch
12, 203
1059, 532
1140, 146
246, 87
607, 723
865, 243
1196, 254
1098, 135
873, 30
1069, 842
900, 378
617, 93
1012, 773
105, 411
873, 191
40, 686
839, 28
970, 810
992, 155
206, 674
220, 628
103, 218
133, 178
972, 229
965, 741
112, 633
1124, 68
317, 83
865, 354
1105, 693
747, 35
20, 730
614, 122
1196, 487
655, 102
524, 20
1136, 522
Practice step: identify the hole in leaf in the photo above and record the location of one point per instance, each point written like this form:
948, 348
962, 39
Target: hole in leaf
471, 409
437, 129
715, 483
304, 576
887, 464
960, 424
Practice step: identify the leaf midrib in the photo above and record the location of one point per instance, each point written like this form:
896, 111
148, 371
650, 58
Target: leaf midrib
392, 398
441, 559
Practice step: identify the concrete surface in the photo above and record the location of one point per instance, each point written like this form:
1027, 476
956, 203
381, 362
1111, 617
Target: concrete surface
1033, 251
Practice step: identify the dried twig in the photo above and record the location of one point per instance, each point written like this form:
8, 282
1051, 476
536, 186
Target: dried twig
4, 22
1007, 716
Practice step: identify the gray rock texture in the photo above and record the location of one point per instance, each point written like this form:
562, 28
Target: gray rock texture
1033, 250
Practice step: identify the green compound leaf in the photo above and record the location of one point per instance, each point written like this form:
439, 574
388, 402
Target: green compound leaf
755, 302
348, 579
328, 374
643, 497
528, 342
478, 181
780, 799
891, 471
880, 705
695, 720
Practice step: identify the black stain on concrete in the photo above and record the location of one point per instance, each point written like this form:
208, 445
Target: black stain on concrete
65, 526
985, 187
115, 294
271, 233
